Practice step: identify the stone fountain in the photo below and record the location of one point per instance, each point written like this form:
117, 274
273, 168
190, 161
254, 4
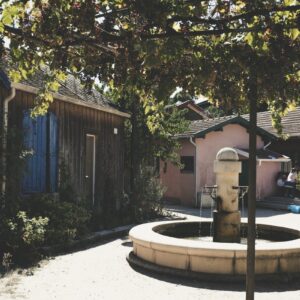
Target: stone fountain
227, 217
181, 248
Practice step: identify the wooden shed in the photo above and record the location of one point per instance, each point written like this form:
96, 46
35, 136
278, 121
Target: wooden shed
82, 132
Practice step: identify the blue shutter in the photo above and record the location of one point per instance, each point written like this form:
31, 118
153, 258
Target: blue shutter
35, 140
53, 151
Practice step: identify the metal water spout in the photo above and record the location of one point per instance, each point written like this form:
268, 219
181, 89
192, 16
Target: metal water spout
227, 217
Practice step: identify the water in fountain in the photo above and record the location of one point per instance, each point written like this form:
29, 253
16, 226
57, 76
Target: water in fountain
206, 192
200, 210
212, 208
243, 207
243, 229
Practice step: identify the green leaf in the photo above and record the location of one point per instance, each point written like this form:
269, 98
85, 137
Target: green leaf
176, 26
6, 18
147, 109
249, 38
54, 86
17, 52
48, 97
23, 72
265, 46
61, 76
294, 33
34, 27
15, 75
289, 2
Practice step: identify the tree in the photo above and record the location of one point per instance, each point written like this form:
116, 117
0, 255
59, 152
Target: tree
231, 51
159, 45
164, 42
50, 35
149, 131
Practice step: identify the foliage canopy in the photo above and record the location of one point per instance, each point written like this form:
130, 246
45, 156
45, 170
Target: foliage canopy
148, 48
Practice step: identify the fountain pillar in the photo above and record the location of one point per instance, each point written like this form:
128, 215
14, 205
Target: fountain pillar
227, 217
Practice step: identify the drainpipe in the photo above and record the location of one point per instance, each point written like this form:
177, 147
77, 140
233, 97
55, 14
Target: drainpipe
4, 138
267, 145
195, 168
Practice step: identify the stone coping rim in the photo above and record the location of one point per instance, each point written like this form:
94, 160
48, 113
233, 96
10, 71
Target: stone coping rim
145, 234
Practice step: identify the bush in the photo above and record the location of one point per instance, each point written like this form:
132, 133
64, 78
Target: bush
20, 237
67, 221
43, 220
109, 215
149, 193
66, 187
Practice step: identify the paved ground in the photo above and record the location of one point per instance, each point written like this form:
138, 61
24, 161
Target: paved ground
102, 272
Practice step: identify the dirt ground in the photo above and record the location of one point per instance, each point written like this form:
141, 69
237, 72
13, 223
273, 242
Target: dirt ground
102, 272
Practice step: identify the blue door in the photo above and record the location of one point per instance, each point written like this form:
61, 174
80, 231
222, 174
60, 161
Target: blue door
40, 138
53, 152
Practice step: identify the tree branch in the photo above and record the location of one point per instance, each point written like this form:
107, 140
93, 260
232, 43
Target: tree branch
74, 40
205, 32
257, 12
112, 12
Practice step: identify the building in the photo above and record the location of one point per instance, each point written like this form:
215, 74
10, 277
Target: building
201, 143
82, 132
290, 144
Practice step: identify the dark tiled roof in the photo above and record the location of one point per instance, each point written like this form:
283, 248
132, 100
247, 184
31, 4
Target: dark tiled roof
200, 126
72, 88
268, 154
190, 104
291, 124
264, 154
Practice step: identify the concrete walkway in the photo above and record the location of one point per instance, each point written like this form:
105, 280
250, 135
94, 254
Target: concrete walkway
102, 272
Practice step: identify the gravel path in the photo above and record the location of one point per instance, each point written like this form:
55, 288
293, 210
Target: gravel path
102, 272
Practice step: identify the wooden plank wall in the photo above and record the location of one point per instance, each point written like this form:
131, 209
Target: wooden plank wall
74, 122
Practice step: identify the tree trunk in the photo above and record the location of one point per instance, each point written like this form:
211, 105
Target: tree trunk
134, 153
252, 97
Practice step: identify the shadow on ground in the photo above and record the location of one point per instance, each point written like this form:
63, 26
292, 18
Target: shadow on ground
127, 244
261, 286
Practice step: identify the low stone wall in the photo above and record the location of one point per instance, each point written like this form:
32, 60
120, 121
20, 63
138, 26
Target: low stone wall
214, 258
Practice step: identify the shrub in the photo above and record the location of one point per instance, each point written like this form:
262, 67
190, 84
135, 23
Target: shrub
20, 236
43, 220
66, 188
67, 221
149, 193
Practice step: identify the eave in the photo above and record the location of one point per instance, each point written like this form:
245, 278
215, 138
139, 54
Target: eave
33, 90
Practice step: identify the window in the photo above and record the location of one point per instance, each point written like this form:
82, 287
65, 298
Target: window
188, 164
286, 166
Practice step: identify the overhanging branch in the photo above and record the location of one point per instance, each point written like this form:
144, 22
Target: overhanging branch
250, 14
205, 32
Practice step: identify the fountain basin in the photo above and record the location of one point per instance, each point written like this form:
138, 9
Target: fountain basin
156, 244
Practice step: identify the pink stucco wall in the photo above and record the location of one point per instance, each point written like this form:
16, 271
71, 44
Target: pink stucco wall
233, 135
267, 173
181, 186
